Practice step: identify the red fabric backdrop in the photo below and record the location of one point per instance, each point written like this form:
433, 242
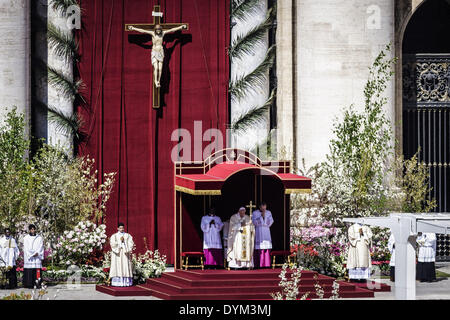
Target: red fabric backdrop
124, 134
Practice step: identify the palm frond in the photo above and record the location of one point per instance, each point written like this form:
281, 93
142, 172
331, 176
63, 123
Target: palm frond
254, 80
62, 5
244, 10
66, 87
266, 149
253, 116
63, 43
66, 124
245, 44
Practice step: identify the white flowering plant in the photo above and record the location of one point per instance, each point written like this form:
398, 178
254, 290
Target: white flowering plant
75, 247
87, 273
289, 285
151, 264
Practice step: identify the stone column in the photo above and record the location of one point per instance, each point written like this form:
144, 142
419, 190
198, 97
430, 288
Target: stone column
55, 98
285, 77
244, 66
15, 57
405, 259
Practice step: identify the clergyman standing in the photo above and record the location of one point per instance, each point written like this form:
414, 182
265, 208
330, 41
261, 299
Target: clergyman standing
211, 226
426, 271
263, 220
33, 255
121, 271
358, 259
9, 252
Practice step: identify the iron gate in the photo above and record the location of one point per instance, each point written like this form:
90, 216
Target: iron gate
426, 125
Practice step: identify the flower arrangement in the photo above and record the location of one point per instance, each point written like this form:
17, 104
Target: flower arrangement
151, 264
320, 247
76, 247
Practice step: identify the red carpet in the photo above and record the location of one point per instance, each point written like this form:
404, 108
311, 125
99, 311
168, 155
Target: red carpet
232, 285
374, 286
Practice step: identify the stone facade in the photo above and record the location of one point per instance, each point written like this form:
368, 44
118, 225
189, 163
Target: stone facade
336, 43
15, 57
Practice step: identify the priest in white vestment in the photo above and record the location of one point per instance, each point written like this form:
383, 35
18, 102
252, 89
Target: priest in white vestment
262, 219
391, 247
211, 226
358, 259
241, 239
33, 255
121, 271
9, 252
426, 271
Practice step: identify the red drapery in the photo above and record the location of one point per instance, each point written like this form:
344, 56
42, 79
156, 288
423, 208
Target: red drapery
124, 134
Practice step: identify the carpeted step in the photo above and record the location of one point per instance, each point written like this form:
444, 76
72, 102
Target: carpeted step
240, 274
171, 295
133, 291
199, 281
374, 286
233, 285
233, 288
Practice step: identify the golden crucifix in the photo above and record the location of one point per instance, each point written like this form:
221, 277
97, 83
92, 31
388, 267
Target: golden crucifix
251, 206
157, 30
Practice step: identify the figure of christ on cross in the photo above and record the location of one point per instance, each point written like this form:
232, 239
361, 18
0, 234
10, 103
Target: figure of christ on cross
157, 30
157, 49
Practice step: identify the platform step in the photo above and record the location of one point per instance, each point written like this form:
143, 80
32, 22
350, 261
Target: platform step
235, 285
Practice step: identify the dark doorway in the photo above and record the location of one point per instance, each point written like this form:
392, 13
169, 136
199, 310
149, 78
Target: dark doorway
426, 94
426, 100
257, 186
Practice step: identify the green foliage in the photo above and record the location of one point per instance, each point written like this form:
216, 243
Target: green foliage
67, 192
244, 10
63, 44
65, 86
67, 124
252, 82
253, 116
245, 44
16, 175
52, 190
412, 183
357, 165
66, 47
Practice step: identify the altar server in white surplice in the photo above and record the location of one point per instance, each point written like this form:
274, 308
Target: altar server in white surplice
391, 247
33, 254
262, 219
121, 272
9, 253
358, 259
211, 226
426, 271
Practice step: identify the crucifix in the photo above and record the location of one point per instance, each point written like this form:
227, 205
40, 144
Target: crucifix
157, 30
251, 206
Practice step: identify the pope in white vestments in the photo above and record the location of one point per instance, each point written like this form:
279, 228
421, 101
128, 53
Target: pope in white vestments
358, 259
211, 226
426, 271
9, 252
241, 239
262, 219
33, 254
121, 271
